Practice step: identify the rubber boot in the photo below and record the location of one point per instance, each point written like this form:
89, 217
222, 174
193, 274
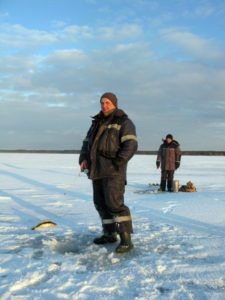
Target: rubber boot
170, 185
106, 238
162, 186
125, 243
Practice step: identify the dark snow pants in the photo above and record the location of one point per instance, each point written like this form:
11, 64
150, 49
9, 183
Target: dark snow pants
167, 179
108, 194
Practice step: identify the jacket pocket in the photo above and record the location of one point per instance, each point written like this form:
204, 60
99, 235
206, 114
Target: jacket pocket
109, 143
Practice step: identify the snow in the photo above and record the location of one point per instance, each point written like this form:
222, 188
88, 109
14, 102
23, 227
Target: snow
179, 238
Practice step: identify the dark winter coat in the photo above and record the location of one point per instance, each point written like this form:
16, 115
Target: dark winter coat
110, 142
169, 155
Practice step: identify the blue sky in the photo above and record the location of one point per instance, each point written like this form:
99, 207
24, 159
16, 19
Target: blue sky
165, 60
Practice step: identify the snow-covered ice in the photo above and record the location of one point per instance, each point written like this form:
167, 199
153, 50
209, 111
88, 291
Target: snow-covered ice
179, 237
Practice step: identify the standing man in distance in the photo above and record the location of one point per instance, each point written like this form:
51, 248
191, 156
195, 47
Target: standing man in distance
169, 156
110, 143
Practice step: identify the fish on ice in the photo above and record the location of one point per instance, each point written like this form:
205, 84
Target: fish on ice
44, 224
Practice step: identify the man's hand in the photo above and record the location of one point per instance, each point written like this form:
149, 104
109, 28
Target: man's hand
177, 164
83, 165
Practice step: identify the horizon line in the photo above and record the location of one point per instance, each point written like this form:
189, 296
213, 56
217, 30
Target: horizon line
140, 152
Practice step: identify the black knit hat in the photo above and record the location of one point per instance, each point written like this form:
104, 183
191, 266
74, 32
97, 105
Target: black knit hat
169, 136
112, 97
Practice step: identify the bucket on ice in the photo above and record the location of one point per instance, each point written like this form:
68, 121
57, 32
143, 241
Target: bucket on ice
176, 186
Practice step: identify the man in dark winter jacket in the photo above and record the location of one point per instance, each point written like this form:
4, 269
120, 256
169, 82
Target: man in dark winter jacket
110, 142
169, 156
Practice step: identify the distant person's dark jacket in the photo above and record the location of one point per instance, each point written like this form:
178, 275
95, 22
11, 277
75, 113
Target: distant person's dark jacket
169, 155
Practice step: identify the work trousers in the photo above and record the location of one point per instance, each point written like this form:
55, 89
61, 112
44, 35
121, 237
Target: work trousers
108, 197
167, 180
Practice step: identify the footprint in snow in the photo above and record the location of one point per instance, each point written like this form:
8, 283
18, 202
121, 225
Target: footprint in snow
169, 208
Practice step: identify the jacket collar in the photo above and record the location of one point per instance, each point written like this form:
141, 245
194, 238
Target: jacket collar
116, 113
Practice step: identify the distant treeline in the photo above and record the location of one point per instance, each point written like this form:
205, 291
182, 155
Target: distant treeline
142, 152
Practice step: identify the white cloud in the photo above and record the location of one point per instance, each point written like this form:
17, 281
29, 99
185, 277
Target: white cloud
205, 10
202, 9
17, 63
118, 32
56, 91
18, 36
193, 44
75, 32
66, 58
217, 125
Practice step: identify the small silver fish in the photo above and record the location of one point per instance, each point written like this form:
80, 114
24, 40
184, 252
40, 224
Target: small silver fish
44, 224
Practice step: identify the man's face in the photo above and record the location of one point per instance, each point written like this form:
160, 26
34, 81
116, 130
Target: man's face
168, 140
106, 105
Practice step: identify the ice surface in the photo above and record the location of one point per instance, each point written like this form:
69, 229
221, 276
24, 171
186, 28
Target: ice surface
179, 237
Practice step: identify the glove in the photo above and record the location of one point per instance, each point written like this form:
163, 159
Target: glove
118, 162
177, 164
157, 164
